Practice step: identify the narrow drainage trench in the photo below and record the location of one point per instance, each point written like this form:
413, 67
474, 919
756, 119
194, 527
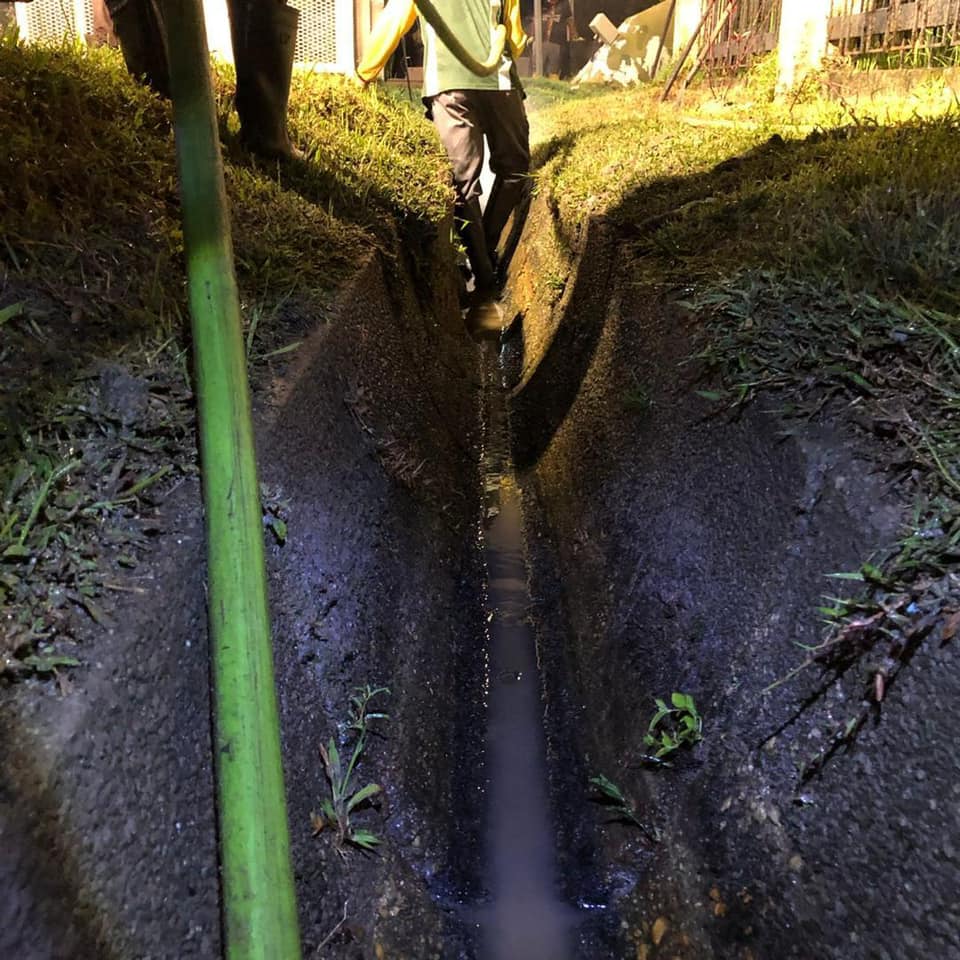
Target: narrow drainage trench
526, 917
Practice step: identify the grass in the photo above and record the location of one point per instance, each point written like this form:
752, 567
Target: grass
345, 796
79, 495
96, 403
614, 799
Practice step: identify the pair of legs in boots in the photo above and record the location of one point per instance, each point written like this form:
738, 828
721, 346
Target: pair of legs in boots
263, 34
462, 119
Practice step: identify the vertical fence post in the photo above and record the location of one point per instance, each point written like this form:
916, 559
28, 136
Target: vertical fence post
803, 39
538, 38
687, 17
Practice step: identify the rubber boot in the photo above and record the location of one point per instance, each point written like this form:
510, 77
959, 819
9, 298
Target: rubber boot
506, 197
484, 315
469, 221
264, 34
138, 25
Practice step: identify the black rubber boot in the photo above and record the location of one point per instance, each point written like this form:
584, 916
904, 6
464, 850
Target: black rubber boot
264, 34
484, 316
138, 25
470, 228
506, 197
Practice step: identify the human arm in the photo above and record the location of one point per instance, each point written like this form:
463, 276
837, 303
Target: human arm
516, 38
396, 18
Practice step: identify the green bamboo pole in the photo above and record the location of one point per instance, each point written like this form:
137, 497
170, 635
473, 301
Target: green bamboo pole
259, 904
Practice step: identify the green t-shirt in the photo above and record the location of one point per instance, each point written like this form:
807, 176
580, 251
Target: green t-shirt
473, 22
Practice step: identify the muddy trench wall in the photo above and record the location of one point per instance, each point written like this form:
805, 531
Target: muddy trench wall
674, 549
368, 441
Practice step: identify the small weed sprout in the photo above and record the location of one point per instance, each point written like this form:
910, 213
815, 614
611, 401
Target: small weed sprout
637, 399
276, 511
673, 727
618, 804
344, 799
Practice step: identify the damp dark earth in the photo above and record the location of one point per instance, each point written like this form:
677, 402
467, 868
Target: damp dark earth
639, 615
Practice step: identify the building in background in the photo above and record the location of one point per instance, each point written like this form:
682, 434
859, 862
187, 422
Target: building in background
326, 40
729, 33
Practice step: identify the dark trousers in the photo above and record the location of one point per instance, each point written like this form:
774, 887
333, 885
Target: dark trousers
263, 33
463, 118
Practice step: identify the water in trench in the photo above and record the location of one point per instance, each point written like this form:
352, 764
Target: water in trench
526, 918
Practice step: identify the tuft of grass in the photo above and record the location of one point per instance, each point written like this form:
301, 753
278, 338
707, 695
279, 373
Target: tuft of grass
369, 152
345, 796
77, 501
614, 798
674, 727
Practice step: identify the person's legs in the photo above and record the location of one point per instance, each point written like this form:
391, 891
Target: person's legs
264, 33
455, 117
508, 134
138, 25
551, 59
563, 61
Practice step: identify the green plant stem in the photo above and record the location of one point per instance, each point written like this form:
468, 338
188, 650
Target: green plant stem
42, 497
259, 905
132, 492
9, 525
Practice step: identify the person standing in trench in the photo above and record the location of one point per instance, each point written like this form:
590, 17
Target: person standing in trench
465, 108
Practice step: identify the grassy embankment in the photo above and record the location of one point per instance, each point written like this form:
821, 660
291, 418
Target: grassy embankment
815, 242
96, 410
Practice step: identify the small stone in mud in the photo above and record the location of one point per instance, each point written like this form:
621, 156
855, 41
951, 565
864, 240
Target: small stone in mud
796, 863
123, 397
660, 927
719, 907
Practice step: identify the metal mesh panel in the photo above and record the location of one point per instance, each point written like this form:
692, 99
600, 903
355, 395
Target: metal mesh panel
317, 34
56, 20
87, 25
49, 20
751, 28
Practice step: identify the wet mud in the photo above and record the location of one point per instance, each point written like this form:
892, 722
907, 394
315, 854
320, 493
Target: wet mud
368, 445
526, 916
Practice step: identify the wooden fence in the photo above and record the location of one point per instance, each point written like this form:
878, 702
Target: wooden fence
894, 32
751, 28
877, 27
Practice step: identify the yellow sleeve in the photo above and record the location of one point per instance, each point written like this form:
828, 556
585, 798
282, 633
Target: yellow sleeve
396, 18
516, 38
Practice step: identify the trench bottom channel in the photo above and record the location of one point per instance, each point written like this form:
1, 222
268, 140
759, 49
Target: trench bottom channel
526, 916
